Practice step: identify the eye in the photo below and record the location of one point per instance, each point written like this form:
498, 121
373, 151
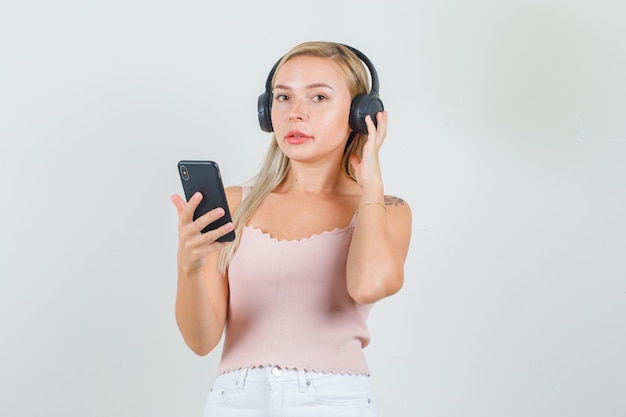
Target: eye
319, 97
281, 97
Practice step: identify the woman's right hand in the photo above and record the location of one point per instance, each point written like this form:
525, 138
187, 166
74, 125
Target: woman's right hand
193, 245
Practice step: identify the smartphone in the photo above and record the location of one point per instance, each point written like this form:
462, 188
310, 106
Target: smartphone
205, 177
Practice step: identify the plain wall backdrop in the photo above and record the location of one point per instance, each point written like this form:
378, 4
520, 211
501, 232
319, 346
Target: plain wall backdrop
507, 137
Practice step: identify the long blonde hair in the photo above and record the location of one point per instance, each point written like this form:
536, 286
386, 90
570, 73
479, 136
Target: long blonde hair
276, 165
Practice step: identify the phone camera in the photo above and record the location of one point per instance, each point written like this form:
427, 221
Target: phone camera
184, 172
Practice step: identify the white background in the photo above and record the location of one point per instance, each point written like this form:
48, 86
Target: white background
507, 137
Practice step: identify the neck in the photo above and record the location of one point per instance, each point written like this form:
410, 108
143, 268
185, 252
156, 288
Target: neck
319, 179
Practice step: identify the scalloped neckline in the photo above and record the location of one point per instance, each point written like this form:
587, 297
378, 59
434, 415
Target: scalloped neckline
336, 230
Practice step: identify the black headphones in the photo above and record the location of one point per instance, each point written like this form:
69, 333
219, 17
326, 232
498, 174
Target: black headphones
361, 106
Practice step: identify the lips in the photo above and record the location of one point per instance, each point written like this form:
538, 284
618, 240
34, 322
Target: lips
296, 137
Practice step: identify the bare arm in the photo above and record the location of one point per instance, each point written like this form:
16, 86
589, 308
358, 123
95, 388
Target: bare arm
380, 243
375, 267
202, 291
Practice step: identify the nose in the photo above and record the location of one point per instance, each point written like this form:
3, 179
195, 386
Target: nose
297, 112
296, 116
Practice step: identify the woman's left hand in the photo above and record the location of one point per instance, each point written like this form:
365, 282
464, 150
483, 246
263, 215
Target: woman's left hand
367, 168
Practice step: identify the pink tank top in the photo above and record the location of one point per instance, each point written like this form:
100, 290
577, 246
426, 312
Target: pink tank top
289, 305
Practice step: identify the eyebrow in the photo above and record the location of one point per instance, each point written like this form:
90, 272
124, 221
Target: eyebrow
310, 86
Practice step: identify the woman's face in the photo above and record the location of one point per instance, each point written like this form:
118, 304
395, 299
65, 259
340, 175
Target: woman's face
310, 108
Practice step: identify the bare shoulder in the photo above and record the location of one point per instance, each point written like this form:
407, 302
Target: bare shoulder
397, 204
233, 196
392, 200
399, 219
398, 211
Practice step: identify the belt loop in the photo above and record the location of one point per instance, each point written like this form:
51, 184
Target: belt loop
241, 381
302, 380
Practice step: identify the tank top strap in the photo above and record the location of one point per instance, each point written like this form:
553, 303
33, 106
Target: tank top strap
353, 221
245, 191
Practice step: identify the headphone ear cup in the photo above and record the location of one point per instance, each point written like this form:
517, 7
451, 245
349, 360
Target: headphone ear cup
362, 105
264, 107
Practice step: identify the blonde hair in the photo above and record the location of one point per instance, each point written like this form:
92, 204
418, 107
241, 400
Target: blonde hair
276, 165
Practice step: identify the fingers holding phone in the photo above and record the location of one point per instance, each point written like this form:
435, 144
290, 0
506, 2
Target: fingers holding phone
193, 244
186, 211
204, 177
205, 223
202, 223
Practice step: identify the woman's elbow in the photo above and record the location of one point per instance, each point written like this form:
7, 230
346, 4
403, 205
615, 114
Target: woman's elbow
377, 288
201, 349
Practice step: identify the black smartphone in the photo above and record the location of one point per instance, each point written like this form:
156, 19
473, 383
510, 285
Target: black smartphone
205, 177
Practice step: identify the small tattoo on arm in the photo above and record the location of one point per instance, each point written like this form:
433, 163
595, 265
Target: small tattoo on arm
393, 201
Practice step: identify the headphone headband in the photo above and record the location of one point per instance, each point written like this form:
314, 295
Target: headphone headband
362, 104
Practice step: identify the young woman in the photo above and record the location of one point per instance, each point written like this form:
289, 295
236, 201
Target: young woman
317, 243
